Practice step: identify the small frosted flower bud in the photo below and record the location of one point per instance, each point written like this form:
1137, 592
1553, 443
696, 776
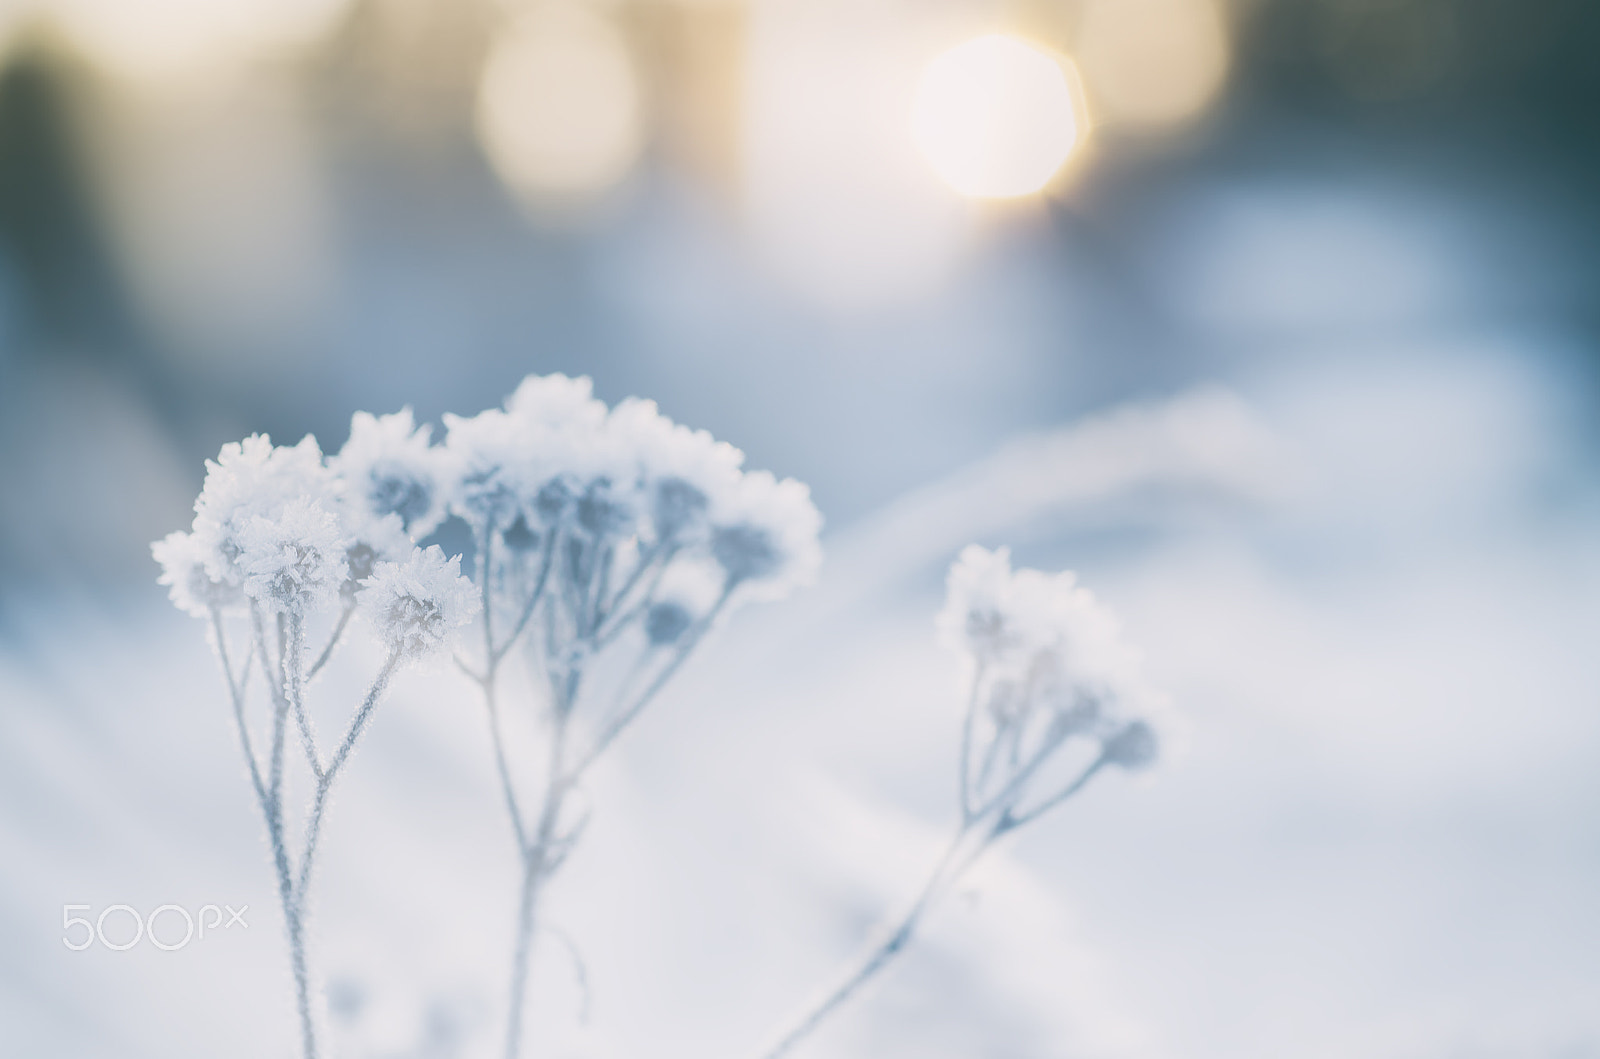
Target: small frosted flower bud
254, 479
1133, 746
1081, 714
372, 542
975, 617
747, 552
417, 605
519, 537
765, 535
296, 561
603, 511
390, 469
553, 500
677, 508
1039, 642
665, 623
480, 457
183, 568
684, 472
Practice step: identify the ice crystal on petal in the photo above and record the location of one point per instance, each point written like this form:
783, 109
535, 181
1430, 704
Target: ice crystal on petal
417, 605
191, 586
390, 469
294, 561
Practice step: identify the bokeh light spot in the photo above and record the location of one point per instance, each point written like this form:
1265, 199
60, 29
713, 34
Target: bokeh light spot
995, 117
1151, 62
558, 105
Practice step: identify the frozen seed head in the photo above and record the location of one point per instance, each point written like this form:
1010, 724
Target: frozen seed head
372, 541
605, 511
682, 472
533, 459
1045, 645
295, 561
193, 590
482, 454
677, 509
520, 537
764, 535
665, 623
417, 605
390, 469
1133, 746
254, 479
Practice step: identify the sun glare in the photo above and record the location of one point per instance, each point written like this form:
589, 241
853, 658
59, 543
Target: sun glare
995, 117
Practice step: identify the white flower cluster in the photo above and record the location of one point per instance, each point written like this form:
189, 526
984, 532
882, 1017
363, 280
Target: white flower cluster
1049, 668
281, 528
615, 493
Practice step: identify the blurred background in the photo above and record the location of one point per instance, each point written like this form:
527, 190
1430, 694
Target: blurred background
1276, 319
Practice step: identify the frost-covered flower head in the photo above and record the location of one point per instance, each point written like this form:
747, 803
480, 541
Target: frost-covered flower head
417, 605
531, 460
293, 561
371, 541
192, 588
682, 473
1048, 656
254, 479
389, 468
764, 534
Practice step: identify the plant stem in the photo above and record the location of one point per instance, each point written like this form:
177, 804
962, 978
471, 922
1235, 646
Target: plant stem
536, 861
946, 872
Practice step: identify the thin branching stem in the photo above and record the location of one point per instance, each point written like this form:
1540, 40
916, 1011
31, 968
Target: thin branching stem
1007, 796
498, 653
944, 875
1010, 821
537, 865
967, 726
236, 693
507, 789
358, 725
979, 830
605, 635
647, 561
294, 688
627, 716
333, 640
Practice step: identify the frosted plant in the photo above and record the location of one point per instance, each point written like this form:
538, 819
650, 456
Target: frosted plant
1054, 699
609, 543
284, 542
